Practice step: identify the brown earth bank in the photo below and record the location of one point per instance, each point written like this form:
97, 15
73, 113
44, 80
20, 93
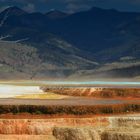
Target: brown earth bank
95, 128
95, 92
71, 109
58, 116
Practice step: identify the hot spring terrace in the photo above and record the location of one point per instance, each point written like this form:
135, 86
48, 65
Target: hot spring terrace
70, 96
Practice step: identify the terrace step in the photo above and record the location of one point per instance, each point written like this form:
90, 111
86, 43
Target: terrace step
27, 137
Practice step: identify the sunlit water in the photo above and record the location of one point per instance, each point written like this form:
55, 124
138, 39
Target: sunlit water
101, 83
91, 83
88, 84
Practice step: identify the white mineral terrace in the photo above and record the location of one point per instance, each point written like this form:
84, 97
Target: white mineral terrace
13, 90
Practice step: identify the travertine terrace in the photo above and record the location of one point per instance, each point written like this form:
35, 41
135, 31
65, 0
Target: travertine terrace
95, 128
95, 91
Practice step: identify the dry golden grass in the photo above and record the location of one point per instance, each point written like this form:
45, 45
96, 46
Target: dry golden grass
42, 96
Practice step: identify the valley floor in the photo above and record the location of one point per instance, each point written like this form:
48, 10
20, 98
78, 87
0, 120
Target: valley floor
69, 101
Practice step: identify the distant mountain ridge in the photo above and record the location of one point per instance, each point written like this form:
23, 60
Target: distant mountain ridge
56, 14
13, 11
72, 43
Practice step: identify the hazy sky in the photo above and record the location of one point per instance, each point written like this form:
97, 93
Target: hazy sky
71, 5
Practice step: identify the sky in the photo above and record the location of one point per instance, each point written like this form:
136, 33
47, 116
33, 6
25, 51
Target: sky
71, 6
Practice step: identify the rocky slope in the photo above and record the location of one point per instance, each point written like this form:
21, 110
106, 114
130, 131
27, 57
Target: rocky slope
19, 60
70, 46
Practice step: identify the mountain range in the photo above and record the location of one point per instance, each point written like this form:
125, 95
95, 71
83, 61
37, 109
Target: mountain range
96, 43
